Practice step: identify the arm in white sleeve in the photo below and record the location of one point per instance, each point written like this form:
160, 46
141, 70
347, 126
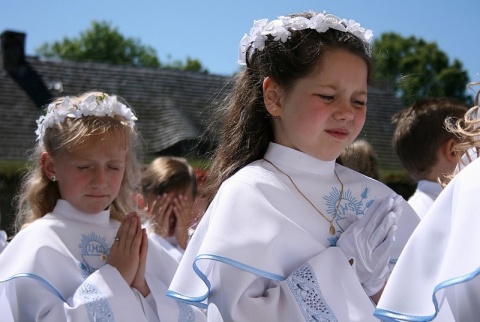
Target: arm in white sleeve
326, 287
103, 295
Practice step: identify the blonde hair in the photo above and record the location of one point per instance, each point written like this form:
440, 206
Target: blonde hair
168, 173
467, 130
38, 194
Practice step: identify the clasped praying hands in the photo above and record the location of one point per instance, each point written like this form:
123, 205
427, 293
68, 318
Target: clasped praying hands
129, 253
368, 241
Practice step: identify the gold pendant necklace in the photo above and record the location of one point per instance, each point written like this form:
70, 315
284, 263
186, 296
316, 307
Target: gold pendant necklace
330, 221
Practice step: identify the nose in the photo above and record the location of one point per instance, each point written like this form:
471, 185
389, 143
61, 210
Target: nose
344, 112
99, 179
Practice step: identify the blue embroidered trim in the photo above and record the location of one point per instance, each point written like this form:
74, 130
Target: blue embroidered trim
186, 312
387, 316
304, 286
97, 305
197, 301
40, 279
85, 269
395, 316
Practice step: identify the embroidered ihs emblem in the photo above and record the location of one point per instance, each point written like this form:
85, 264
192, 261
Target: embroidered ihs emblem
338, 207
94, 250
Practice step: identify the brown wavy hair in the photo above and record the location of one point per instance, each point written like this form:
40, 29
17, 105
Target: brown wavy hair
246, 128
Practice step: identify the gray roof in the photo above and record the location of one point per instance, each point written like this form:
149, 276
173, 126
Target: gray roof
378, 129
172, 106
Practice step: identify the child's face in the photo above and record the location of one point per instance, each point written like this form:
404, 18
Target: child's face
176, 213
90, 178
326, 111
187, 192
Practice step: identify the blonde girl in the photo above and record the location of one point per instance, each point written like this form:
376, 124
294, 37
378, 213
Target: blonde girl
84, 255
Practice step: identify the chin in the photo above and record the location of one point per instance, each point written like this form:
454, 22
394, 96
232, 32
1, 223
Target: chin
95, 210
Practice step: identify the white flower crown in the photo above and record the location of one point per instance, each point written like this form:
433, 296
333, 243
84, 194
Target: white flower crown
92, 105
281, 28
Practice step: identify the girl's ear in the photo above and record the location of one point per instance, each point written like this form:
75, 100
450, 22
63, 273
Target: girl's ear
449, 150
272, 97
48, 165
140, 200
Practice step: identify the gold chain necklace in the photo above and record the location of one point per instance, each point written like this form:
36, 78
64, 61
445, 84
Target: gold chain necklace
330, 221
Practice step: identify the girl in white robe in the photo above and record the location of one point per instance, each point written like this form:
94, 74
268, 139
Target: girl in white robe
289, 235
436, 277
169, 188
80, 253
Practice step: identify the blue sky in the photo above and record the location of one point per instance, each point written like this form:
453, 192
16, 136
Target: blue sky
210, 30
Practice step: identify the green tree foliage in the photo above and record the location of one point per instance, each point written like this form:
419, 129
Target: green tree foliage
194, 65
190, 64
416, 68
103, 43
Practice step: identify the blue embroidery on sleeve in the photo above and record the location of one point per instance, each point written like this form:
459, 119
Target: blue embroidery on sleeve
97, 306
304, 286
186, 312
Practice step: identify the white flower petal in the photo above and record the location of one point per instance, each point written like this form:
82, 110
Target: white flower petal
281, 28
91, 105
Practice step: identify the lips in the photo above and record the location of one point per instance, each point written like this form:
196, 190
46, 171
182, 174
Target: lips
338, 133
97, 196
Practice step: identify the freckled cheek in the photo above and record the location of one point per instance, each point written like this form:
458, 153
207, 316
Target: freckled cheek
307, 126
116, 180
320, 116
360, 118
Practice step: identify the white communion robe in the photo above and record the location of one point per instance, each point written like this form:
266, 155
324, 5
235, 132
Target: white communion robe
424, 196
440, 261
3, 240
263, 253
175, 251
55, 270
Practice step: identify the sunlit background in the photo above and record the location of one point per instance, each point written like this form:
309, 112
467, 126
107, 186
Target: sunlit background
209, 30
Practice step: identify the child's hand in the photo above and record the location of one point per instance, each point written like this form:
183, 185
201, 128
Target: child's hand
125, 251
161, 214
368, 242
183, 213
139, 281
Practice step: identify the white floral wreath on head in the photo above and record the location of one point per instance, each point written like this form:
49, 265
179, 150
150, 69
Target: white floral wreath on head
92, 105
280, 29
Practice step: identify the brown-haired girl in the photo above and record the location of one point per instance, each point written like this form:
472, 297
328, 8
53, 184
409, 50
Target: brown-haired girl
289, 235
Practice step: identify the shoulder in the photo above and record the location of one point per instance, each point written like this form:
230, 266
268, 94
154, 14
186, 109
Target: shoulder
465, 182
39, 227
33, 245
253, 176
351, 177
254, 172
469, 170
252, 188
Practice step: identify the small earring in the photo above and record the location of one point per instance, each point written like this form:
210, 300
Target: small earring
53, 178
276, 117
